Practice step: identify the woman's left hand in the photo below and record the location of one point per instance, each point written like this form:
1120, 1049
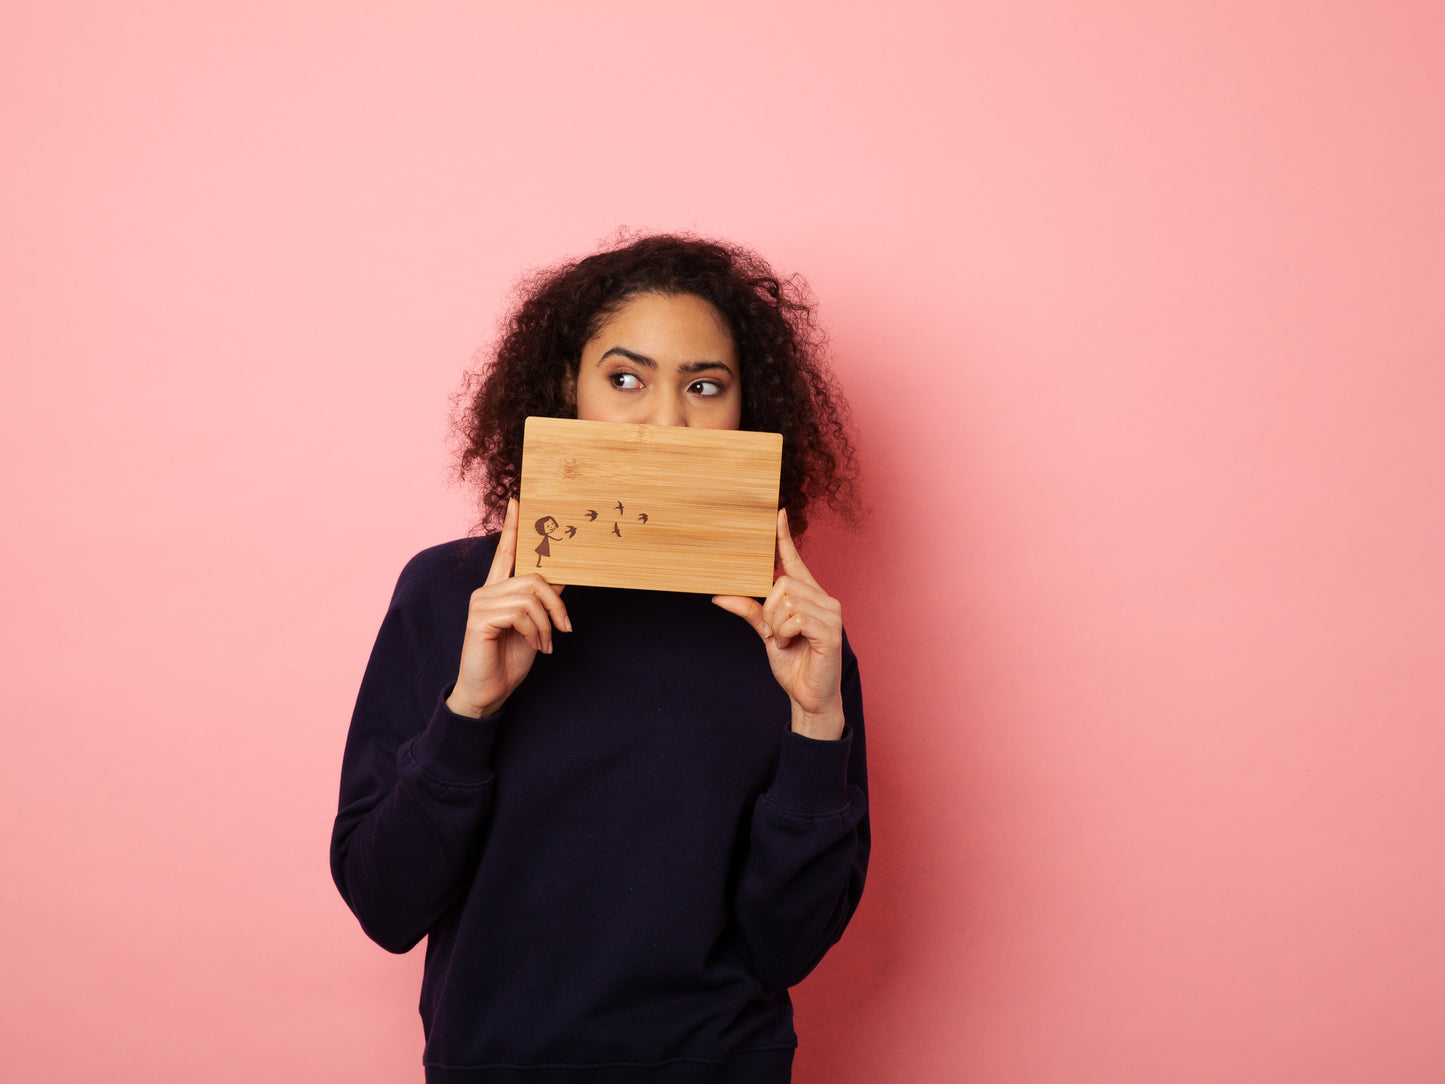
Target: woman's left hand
802, 628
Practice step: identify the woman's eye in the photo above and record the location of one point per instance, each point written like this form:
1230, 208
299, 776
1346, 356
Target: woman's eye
625, 381
705, 387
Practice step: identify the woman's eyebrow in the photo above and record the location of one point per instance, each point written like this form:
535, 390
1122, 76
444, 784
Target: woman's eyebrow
645, 361
704, 367
630, 355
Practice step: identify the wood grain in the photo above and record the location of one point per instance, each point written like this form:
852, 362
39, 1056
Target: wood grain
710, 498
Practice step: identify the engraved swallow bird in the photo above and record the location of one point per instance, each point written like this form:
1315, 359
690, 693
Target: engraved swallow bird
571, 530
642, 516
616, 531
591, 514
619, 508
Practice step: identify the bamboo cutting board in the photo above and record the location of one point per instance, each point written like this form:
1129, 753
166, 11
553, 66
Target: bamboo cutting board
665, 508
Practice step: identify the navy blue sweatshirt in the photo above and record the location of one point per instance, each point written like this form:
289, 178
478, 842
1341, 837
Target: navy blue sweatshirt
618, 875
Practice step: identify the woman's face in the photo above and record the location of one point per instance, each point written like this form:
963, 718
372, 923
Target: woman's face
662, 360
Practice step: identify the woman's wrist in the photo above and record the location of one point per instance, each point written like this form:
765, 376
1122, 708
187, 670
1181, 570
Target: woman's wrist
460, 705
824, 725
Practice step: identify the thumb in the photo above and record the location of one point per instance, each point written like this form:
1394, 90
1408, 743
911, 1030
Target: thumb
749, 609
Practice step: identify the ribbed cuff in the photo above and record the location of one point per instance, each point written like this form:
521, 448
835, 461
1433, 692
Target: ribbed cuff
456, 749
812, 774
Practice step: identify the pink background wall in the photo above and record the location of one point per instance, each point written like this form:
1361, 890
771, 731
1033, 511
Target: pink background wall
1139, 306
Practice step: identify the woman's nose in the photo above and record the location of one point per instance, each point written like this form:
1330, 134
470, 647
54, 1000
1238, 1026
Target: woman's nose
666, 410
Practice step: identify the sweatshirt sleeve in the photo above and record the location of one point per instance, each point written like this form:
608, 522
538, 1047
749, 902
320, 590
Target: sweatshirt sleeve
808, 849
416, 786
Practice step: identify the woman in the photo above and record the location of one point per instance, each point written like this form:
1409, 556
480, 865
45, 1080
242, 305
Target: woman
625, 821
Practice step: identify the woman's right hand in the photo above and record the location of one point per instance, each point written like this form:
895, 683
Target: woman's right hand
510, 619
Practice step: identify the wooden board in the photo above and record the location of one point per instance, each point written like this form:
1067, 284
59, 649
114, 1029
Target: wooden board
664, 508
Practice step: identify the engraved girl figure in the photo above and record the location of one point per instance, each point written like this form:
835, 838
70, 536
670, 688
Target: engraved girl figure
545, 526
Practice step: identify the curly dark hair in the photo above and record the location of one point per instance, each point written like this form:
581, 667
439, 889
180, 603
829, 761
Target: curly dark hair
786, 384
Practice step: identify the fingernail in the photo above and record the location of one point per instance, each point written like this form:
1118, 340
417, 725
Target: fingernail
767, 631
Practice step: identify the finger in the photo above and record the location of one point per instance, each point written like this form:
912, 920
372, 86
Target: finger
550, 595
788, 553
814, 626
749, 609
809, 613
791, 591
791, 588
520, 611
528, 619
506, 555
524, 624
